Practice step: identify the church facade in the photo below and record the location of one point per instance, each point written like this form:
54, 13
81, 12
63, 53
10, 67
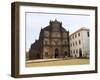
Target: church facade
53, 42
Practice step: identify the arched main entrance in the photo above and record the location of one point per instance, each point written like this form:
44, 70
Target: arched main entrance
56, 52
80, 52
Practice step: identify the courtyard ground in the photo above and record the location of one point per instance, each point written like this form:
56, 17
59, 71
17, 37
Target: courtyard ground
55, 62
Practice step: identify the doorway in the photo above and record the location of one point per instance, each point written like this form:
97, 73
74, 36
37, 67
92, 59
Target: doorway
56, 52
80, 52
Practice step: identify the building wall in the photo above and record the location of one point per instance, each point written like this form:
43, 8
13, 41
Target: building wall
79, 43
86, 43
55, 42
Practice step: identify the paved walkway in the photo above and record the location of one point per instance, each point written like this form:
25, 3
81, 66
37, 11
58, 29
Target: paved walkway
56, 62
42, 60
46, 60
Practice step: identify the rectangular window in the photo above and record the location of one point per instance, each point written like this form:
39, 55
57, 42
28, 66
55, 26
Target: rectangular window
79, 42
73, 43
88, 34
73, 36
73, 51
76, 51
78, 34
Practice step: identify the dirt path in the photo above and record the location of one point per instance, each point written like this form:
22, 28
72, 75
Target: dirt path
56, 62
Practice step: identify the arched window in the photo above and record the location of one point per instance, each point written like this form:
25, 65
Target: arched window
79, 42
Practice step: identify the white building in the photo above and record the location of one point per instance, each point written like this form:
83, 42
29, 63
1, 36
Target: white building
79, 43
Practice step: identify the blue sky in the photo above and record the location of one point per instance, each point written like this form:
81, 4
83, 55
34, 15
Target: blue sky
36, 21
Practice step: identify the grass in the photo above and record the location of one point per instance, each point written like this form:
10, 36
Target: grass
59, 62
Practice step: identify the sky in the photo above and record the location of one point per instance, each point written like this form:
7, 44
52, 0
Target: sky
36, 21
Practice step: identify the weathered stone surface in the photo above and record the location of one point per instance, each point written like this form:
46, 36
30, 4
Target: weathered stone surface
53, 42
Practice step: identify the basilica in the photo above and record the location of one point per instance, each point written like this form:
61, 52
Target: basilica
53, 42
